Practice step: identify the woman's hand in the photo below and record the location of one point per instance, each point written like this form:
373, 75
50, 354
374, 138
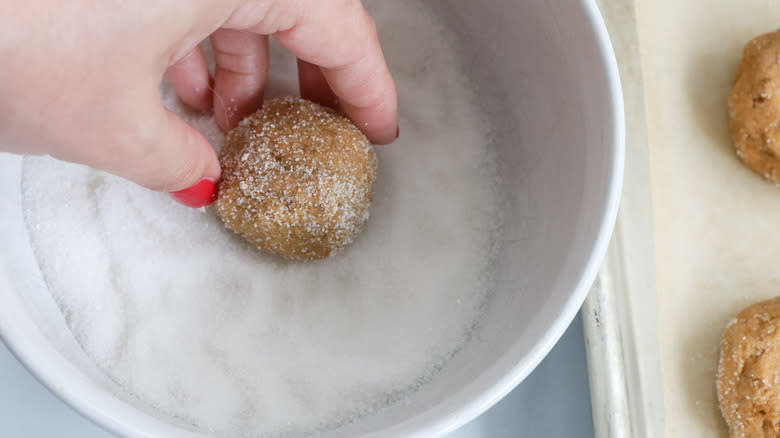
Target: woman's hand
80, 80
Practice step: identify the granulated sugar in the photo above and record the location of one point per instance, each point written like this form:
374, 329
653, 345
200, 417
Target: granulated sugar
201, 328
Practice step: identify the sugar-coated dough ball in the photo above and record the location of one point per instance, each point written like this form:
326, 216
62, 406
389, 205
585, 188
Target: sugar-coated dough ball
748, 381
754, 107
297, 179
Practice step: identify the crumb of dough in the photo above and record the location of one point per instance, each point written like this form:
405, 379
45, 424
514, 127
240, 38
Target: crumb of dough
297, 179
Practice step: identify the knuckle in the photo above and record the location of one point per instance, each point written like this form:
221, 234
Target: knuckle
371, 28
236, 63
164, 158
369, 91
186, 167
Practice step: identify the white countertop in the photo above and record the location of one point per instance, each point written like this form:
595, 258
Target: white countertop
552, 402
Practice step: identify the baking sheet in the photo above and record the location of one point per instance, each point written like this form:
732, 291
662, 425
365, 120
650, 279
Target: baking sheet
620, 315
716, 223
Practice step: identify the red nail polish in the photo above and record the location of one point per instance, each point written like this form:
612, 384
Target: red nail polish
397, 131
199, 195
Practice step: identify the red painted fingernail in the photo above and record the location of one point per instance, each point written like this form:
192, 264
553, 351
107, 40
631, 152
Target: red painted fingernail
199, 195
397, 131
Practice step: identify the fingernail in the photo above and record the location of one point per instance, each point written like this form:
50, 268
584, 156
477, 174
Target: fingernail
199, 195
397, 131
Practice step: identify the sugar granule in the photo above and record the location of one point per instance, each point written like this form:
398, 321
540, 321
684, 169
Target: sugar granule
203, 330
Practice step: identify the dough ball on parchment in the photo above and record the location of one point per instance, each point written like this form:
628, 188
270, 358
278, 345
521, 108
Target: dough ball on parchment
754, 107
748, 380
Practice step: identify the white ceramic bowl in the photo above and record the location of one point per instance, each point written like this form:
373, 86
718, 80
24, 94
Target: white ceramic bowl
549, 66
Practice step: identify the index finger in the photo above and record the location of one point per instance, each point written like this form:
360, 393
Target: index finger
343, 42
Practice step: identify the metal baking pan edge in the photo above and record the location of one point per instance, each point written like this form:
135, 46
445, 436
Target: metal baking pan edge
620, 316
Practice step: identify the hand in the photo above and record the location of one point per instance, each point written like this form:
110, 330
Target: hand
80, 80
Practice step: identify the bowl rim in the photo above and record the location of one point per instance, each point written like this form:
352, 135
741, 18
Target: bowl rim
25, 341
489, 396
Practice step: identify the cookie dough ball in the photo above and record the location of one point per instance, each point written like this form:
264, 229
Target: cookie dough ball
748, 381
754, 107
297, 179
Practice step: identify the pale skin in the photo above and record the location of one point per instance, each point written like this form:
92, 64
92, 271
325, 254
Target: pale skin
80, 79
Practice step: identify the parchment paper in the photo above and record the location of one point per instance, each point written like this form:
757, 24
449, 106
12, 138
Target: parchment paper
717, 224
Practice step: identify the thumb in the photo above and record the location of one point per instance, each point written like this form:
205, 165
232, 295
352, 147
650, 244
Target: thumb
173, 158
